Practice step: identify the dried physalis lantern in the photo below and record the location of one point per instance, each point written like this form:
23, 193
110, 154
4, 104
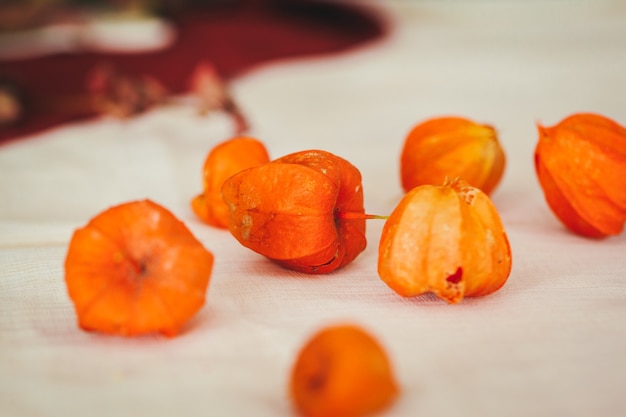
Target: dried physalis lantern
447, 240
136, 269
119, 94
225, 160
342, 371
450, 147
213, 94
581, 166
303, 211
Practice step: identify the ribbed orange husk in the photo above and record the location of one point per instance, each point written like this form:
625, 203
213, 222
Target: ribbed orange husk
342, 371
289, 210
581, 167
450, 147
448, 240
136, 269
224, 160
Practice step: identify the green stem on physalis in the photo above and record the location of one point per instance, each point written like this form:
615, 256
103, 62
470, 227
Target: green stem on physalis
350, 215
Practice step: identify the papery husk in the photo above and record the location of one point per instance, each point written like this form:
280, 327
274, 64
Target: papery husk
289, 210
581, 167
448, 240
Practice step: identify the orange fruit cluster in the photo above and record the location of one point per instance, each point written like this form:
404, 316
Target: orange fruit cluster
136, 269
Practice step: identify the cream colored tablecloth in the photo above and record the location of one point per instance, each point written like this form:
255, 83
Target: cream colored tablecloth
551, 342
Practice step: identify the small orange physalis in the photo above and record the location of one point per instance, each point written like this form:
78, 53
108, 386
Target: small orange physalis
342, 371
136, 269
224, 160
447, 240
304, 211
581, 166
450, 147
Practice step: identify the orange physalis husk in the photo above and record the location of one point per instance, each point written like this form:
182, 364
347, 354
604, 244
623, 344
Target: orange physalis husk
447, 240
342, 371
581, 166
225, 160
136, 269
304, 211
450, 147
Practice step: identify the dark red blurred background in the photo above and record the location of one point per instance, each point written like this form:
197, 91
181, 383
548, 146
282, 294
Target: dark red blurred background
235, 35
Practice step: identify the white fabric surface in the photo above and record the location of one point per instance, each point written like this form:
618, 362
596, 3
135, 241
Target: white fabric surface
551, 342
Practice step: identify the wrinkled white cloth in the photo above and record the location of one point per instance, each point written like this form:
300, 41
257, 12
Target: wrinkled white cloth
551, 342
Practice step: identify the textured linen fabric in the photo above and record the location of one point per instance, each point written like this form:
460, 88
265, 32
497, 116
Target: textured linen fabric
551, 342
